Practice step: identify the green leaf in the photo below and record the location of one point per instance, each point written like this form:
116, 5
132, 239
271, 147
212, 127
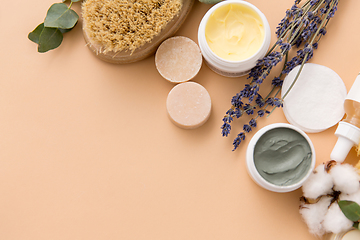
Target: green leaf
35, 34
75, 0
50, 38
60, 16
66, 30
356, 225
350, 209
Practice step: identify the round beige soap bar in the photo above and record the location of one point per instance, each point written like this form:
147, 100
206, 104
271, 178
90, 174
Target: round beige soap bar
178, 59
188, 105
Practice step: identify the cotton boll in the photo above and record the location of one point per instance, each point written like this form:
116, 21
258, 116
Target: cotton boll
355, 197
345, 178
319, 183
325, 184
335, 221
313, 215
357, 166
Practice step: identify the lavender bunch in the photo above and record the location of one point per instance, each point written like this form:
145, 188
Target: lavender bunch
301, 28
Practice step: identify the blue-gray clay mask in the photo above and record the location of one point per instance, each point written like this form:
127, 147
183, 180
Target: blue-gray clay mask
282, 156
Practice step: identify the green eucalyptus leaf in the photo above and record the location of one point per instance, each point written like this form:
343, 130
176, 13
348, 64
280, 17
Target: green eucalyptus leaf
50, 38
75, 0
356, 225
350, 209
66, 30
35, 34
60, 16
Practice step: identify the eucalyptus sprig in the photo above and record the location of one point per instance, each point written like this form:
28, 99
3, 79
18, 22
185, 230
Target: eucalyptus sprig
59, 19
302, 28
351, 210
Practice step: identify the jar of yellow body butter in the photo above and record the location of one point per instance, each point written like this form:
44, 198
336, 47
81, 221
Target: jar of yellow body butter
232, 36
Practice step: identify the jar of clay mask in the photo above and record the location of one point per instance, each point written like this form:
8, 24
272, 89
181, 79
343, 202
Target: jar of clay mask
232, 36
280, 157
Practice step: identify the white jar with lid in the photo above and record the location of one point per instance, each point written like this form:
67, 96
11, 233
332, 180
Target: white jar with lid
280, 157
227, 66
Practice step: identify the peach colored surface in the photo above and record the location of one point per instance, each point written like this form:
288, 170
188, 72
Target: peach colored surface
87, 151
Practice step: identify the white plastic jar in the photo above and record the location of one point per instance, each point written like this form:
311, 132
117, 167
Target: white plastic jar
231, 68
280, 157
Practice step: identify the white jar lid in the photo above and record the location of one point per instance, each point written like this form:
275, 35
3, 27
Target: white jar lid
316, 101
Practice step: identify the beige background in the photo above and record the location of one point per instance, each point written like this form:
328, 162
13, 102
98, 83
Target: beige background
87, 150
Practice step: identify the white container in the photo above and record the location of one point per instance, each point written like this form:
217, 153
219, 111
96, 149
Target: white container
352, 234
226, 67
257, 140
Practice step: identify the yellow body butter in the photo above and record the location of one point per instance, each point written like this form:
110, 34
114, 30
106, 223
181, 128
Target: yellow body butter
234, 32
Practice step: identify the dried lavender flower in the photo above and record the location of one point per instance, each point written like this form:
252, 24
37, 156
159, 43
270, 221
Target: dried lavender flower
302, 27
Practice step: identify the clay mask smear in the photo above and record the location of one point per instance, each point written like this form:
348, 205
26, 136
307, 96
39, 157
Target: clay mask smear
282, 156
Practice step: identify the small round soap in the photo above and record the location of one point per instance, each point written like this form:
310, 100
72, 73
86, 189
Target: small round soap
188, 105
316, 101
178, 59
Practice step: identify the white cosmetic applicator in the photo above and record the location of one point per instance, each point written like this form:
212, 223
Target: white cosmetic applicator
315, 102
